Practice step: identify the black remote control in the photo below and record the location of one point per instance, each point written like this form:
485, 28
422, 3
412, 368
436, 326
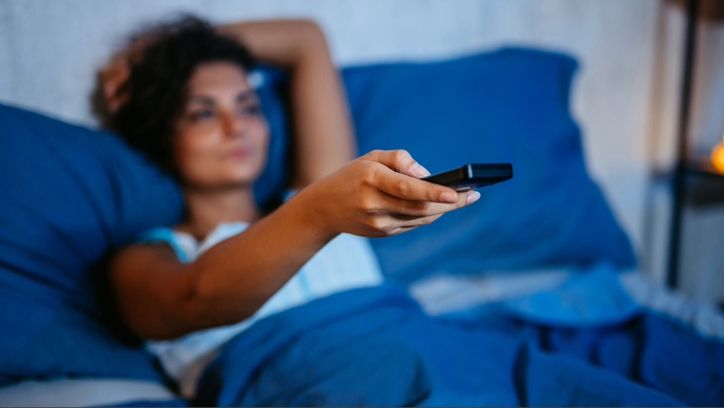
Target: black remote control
473, 175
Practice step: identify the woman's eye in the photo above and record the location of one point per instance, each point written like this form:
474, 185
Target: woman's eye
199, 115
250, 110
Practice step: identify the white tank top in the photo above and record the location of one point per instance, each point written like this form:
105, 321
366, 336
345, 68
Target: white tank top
347, 262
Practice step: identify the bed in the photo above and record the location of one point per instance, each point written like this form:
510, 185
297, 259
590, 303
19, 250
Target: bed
541, 255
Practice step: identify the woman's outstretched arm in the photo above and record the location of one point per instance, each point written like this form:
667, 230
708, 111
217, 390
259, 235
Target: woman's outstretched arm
378, 194
324, 139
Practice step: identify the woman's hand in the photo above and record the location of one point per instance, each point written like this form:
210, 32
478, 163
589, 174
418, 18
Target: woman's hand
379, 194
114, 74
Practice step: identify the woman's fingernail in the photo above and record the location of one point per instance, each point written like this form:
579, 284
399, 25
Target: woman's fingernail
419, 171
473, 196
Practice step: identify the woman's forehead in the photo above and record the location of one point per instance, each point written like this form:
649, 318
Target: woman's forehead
219, 78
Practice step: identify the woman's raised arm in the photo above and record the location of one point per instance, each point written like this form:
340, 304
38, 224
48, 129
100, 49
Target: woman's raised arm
324, 139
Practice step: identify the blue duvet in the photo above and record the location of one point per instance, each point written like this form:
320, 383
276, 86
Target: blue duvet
376, 347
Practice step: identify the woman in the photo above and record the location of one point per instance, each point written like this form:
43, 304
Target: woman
180, 94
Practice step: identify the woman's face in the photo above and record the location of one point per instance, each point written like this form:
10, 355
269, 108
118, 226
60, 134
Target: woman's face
221, 138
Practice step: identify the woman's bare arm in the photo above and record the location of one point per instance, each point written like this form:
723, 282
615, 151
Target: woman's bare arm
377, 194
159, 297
324, 139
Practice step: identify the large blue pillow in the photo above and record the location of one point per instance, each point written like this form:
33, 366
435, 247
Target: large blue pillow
67, 196
511, 105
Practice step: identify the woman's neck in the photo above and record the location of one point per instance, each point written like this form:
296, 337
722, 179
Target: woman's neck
207, 209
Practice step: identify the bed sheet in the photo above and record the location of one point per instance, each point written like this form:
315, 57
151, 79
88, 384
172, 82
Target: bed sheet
74, 392
458, 294
448, 293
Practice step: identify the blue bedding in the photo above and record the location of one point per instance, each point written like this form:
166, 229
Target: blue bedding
375, 346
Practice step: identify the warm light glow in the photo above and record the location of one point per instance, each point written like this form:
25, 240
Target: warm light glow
717, 157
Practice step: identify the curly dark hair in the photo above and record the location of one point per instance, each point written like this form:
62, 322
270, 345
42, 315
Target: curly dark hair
157, 86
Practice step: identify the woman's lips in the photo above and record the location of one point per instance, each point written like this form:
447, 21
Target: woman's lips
241, 152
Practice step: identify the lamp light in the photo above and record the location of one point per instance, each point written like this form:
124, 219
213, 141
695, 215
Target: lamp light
717, 156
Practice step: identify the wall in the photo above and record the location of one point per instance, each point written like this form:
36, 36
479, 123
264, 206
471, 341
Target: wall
49, 50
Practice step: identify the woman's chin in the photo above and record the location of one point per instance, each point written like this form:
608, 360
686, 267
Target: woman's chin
228, 178
223, 184
246, 181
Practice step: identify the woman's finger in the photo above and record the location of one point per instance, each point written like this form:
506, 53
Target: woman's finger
416, 208
400, 161
399, 224
410, 188
399, 176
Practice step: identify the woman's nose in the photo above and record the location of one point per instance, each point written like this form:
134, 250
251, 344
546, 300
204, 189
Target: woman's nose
233, 126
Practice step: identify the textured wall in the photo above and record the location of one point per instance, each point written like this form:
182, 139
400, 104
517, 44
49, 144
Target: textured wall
50, 49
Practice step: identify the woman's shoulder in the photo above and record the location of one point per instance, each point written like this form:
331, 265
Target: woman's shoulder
183, 244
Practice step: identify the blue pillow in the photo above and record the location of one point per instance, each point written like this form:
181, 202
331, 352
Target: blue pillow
69, 195
511, 105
